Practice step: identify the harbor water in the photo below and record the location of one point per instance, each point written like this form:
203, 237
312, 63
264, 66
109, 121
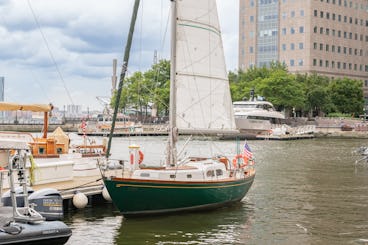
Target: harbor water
305, 192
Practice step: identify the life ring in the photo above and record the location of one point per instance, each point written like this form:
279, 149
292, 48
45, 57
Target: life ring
236, 159
141, 157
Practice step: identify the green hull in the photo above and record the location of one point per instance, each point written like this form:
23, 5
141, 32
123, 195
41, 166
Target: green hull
140, 197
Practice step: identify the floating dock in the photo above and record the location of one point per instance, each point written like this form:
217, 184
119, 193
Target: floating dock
285, 137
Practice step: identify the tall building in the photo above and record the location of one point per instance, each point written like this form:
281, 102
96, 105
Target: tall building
329, 37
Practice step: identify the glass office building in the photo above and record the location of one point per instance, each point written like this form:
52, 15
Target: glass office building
329, 37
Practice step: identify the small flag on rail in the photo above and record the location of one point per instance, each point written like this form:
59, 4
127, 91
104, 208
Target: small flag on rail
247, 151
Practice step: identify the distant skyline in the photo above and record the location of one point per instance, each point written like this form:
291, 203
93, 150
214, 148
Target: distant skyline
62, 51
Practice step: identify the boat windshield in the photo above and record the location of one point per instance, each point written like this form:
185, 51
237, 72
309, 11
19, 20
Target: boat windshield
253, 106
241, 106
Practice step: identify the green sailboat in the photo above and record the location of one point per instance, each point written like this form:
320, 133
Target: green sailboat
200, 101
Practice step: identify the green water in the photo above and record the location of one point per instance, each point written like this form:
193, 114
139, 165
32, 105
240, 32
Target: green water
305, 192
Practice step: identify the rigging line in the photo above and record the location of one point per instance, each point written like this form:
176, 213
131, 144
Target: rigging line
36, 80
50, 53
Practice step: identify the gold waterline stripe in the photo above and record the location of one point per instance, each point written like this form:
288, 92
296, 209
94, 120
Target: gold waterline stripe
179, 187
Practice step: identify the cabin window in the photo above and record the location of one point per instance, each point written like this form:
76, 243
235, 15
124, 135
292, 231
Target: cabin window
219, 172
189, 176
172, 176
210, 173
145, 175
59, 150
41, 150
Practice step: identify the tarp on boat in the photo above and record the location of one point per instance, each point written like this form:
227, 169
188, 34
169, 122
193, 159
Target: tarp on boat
7, 106
61, 137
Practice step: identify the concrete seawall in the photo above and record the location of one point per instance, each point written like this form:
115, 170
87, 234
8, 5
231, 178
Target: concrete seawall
67, 127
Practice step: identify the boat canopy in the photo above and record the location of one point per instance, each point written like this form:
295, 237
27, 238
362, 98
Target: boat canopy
6, 106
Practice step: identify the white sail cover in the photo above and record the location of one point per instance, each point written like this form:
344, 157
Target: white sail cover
203, 100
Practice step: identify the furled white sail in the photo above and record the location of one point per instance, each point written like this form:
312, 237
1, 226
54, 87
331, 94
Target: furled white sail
203, 100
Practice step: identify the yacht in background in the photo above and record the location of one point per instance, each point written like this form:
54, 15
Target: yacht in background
256, 117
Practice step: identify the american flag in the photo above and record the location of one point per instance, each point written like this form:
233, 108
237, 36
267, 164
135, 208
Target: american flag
247, 151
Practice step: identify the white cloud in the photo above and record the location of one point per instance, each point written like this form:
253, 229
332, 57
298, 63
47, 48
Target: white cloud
83, 36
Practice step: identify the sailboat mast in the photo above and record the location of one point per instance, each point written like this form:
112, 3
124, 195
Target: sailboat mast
123, 72
173, 131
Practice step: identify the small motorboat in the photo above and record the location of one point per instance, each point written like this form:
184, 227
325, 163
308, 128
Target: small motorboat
22, 224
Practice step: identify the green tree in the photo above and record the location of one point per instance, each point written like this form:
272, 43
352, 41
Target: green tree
141, 90
282, 90
318, 100
159, 75
347, 96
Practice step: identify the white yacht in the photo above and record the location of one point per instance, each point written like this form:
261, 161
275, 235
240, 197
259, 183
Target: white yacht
256, 117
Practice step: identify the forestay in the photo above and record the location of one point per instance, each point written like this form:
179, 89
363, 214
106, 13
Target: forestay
202, 86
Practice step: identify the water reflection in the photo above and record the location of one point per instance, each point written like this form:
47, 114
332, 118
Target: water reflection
230, 225
305, 192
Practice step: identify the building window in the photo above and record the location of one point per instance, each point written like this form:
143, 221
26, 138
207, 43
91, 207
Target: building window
301, 45
302, 12
345, 34
350, 51
355, 67
321, 30
345, 50
301, 29
339, 33
321, 14
339, 17
292, 46
315, 29
283, 31
338, 65
251, 18
344, 66
314, 62
315, 45
320, 63
300, 62
315, 13
350, 35
333, 48
327, 31
292, 30
327, 15
292, 14
283, 47
251, 50
291, 62
332, 64
350, 66
333, 16
333, 32
327, 48
326, 63
321, 46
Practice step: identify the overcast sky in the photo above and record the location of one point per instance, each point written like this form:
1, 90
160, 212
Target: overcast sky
61, 51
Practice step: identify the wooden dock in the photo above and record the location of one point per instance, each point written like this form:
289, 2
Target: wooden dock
285, 137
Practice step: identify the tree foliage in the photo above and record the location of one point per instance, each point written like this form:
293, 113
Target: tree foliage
311, 95
142, 90
308, 94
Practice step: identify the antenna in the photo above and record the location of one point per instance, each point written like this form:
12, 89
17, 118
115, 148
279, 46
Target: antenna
155, 57
113, 77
